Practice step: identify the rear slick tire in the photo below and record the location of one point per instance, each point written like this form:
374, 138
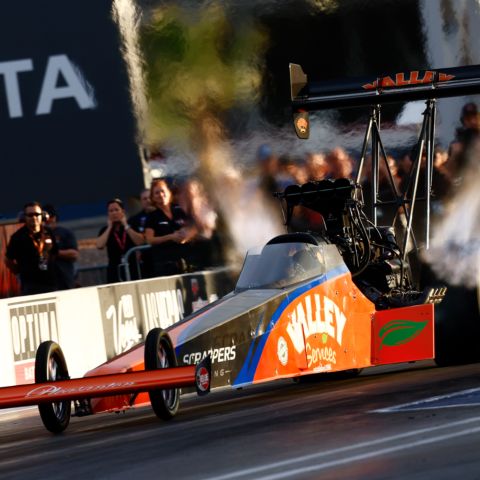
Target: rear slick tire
159, 353
50, 365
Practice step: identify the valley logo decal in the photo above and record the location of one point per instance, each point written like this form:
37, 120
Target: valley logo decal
316, 326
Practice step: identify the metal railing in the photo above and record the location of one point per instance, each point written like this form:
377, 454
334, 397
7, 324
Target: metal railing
124, 265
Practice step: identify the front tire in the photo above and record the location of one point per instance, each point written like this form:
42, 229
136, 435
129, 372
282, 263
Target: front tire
159, 353
50, 365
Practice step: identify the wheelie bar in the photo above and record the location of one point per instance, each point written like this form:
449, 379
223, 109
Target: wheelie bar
108, 385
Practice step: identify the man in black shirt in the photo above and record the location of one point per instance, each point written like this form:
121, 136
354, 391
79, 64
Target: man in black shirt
138, 223
31, 251
67, 250
139, 220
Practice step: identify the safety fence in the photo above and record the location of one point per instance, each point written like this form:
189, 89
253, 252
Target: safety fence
93, 324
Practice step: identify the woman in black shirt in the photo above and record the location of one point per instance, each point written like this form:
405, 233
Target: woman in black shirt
168, 229
118, 237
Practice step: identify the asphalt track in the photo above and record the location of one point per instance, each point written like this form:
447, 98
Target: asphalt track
375, 426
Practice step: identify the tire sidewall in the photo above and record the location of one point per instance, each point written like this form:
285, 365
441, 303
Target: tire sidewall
156, 339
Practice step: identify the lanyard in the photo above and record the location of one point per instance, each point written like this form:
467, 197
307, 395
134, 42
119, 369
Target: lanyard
38, 243
121, 242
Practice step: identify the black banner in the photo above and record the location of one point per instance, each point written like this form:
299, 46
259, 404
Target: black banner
67, 128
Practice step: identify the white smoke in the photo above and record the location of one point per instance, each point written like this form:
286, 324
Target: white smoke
454, 254
450, 28
128, 16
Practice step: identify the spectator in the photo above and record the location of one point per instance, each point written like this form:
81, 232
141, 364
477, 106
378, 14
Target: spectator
440, 158
267, 163
286, 167
441, 175
138, 222
292, 170
118, 237
299, 171
339, 163
317, 166
404, 165
465, 136
205, 245
386, 208
67, 250
31, 251
168, 230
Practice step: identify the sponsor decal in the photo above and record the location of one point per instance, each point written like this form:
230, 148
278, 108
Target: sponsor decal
198, 290
131, 310
32, 323
52, 390
218, 355
161, 308
412, 78
120, 318
62, 79
282, 351
123, 320
316, 321
203, 379
320, 356
399, 332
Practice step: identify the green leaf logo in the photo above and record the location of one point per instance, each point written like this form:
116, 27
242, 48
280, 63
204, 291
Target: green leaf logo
399, 332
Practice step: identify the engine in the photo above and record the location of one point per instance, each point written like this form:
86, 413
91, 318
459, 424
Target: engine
371, 252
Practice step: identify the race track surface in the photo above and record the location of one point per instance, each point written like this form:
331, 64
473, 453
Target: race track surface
361, 428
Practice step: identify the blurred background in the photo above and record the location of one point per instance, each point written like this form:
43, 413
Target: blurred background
99, 97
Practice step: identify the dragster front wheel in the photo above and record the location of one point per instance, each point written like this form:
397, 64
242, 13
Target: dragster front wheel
50, 365
159, 353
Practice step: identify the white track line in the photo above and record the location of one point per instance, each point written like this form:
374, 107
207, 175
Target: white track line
416, 405
356, 457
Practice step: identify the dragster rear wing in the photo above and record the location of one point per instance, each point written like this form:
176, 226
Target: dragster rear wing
397, 87
373, 92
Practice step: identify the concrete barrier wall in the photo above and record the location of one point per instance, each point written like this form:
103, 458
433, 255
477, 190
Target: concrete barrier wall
93, 324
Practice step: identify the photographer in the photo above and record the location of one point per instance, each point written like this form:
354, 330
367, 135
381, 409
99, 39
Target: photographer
31, 252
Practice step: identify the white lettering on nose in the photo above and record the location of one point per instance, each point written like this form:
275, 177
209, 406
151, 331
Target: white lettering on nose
308, 318
329, 312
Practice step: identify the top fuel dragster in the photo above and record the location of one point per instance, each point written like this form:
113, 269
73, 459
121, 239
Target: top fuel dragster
341, 298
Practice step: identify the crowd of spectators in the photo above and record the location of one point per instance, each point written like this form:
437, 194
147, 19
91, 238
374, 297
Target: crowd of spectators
181, 226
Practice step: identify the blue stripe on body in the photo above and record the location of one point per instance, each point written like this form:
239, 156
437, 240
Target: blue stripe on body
248, 370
